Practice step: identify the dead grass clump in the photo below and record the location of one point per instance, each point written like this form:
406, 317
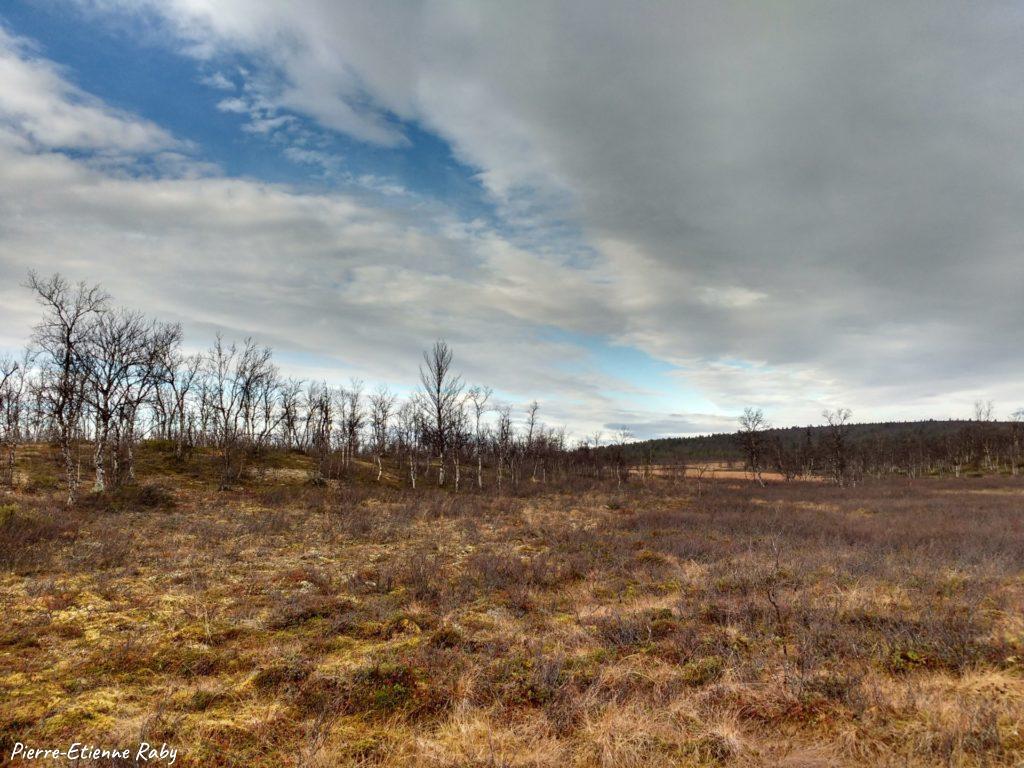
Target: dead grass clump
702, 671
270, 522
129, 497
525, 677
290, 611
952, 638
29, 539
624, 632
147, 496
130, 656
630, 736
21, 637
283, 675
203, 699
380, 690
105, 546
494, 570
446, 636
421, 572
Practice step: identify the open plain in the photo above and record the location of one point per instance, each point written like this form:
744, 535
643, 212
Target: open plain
356, 623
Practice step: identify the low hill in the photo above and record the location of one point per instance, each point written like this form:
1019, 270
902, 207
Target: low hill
724, 446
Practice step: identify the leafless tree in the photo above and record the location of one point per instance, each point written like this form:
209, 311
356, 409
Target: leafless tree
753, 425
441, 391
410, 433
504, 439
354, 416
531, 434
238, 381
180, 374
319, 423
983, 413
13, 383
116, 351
138, 390
69, 315
291, 414
1016, 435
459, 437
478, 397
382, 405
623, 435
838, 422
983, 410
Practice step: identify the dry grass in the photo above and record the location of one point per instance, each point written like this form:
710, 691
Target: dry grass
284, 624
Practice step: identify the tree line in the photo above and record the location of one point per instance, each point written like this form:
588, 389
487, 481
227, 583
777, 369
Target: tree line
847, 453
100, 377
95, 375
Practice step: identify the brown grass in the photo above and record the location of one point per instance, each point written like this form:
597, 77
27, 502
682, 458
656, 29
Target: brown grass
285, 624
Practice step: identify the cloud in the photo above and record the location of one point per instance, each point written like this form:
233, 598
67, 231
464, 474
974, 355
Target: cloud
796, 204
219, 81
337, 285
41, 107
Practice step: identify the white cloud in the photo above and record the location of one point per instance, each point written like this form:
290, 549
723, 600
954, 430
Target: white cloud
219, 81
234, 104
39, 105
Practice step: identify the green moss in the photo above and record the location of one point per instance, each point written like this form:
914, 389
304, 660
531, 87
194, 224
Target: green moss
446, 637
7, 513
703, 671
384, 687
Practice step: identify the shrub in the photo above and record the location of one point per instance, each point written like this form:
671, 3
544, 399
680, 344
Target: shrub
26, 540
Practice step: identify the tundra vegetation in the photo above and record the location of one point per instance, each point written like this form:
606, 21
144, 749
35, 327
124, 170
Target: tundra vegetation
197, 551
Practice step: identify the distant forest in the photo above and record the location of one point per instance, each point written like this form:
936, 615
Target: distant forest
726, 446
906, 447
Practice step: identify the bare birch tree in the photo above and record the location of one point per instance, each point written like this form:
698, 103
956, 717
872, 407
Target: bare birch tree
69, 314
753, 425
441, 391
478, 397
838, 422
13, 384
382, 404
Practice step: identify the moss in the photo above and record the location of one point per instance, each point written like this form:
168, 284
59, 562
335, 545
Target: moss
384, 687
702, 671
446, 637
19, 638
286, 673
93, 712
298, 612
7, 513
202, 700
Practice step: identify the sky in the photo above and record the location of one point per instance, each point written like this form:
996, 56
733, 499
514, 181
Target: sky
639, 214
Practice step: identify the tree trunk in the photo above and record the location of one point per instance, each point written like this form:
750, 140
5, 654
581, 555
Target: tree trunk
10, 463
70, 471
98, 457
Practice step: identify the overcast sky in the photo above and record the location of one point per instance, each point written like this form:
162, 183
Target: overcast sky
650, 214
